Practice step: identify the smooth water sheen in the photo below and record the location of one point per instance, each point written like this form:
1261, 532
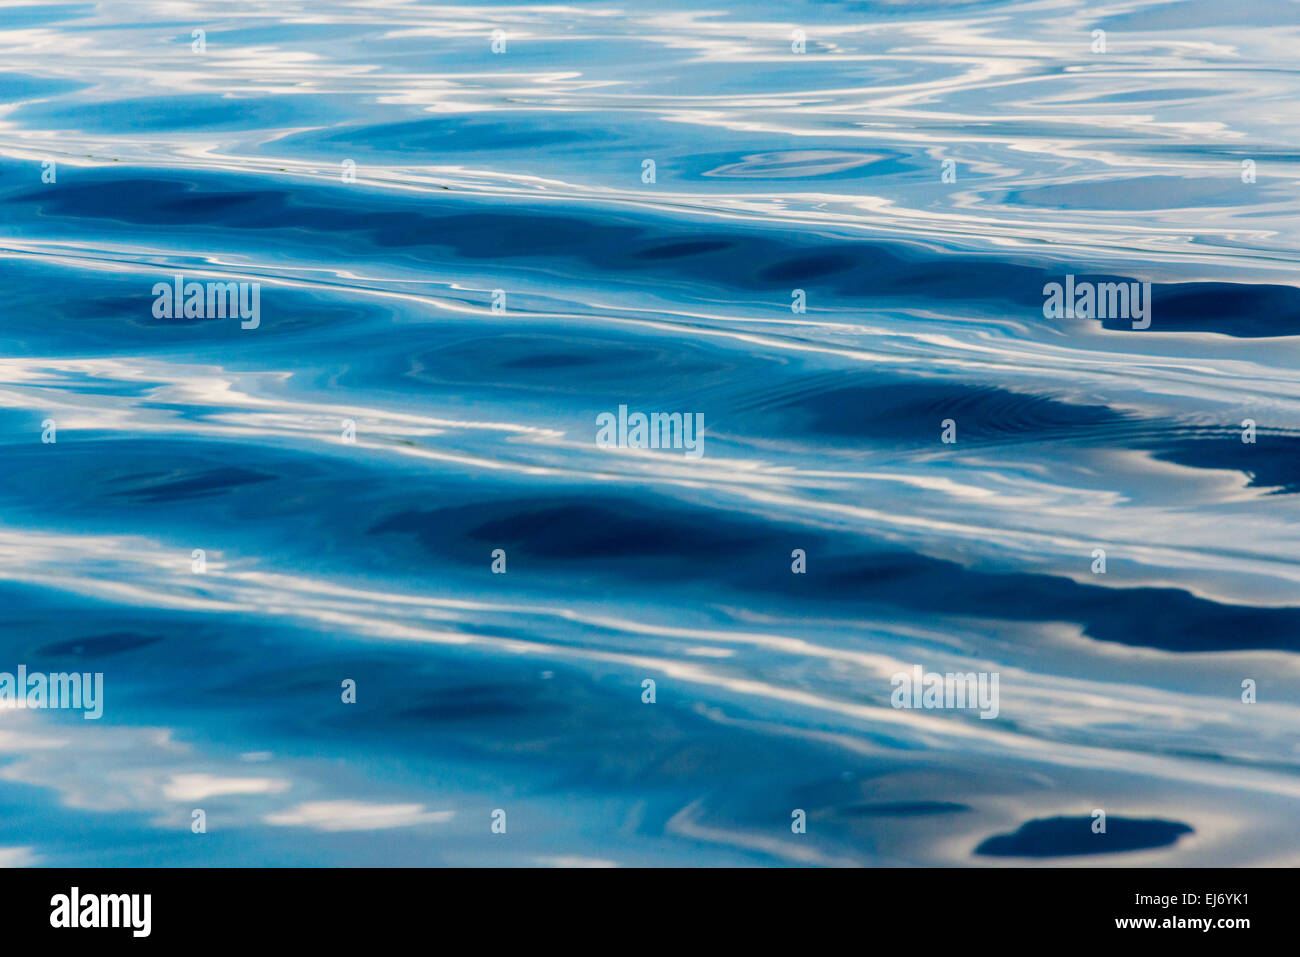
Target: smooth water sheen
475, 430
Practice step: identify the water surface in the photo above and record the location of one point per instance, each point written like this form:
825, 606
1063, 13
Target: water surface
365, 553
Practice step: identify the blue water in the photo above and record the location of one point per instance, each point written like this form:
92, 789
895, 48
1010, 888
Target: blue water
349, 466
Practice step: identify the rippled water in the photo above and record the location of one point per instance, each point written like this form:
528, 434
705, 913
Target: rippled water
331, 555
